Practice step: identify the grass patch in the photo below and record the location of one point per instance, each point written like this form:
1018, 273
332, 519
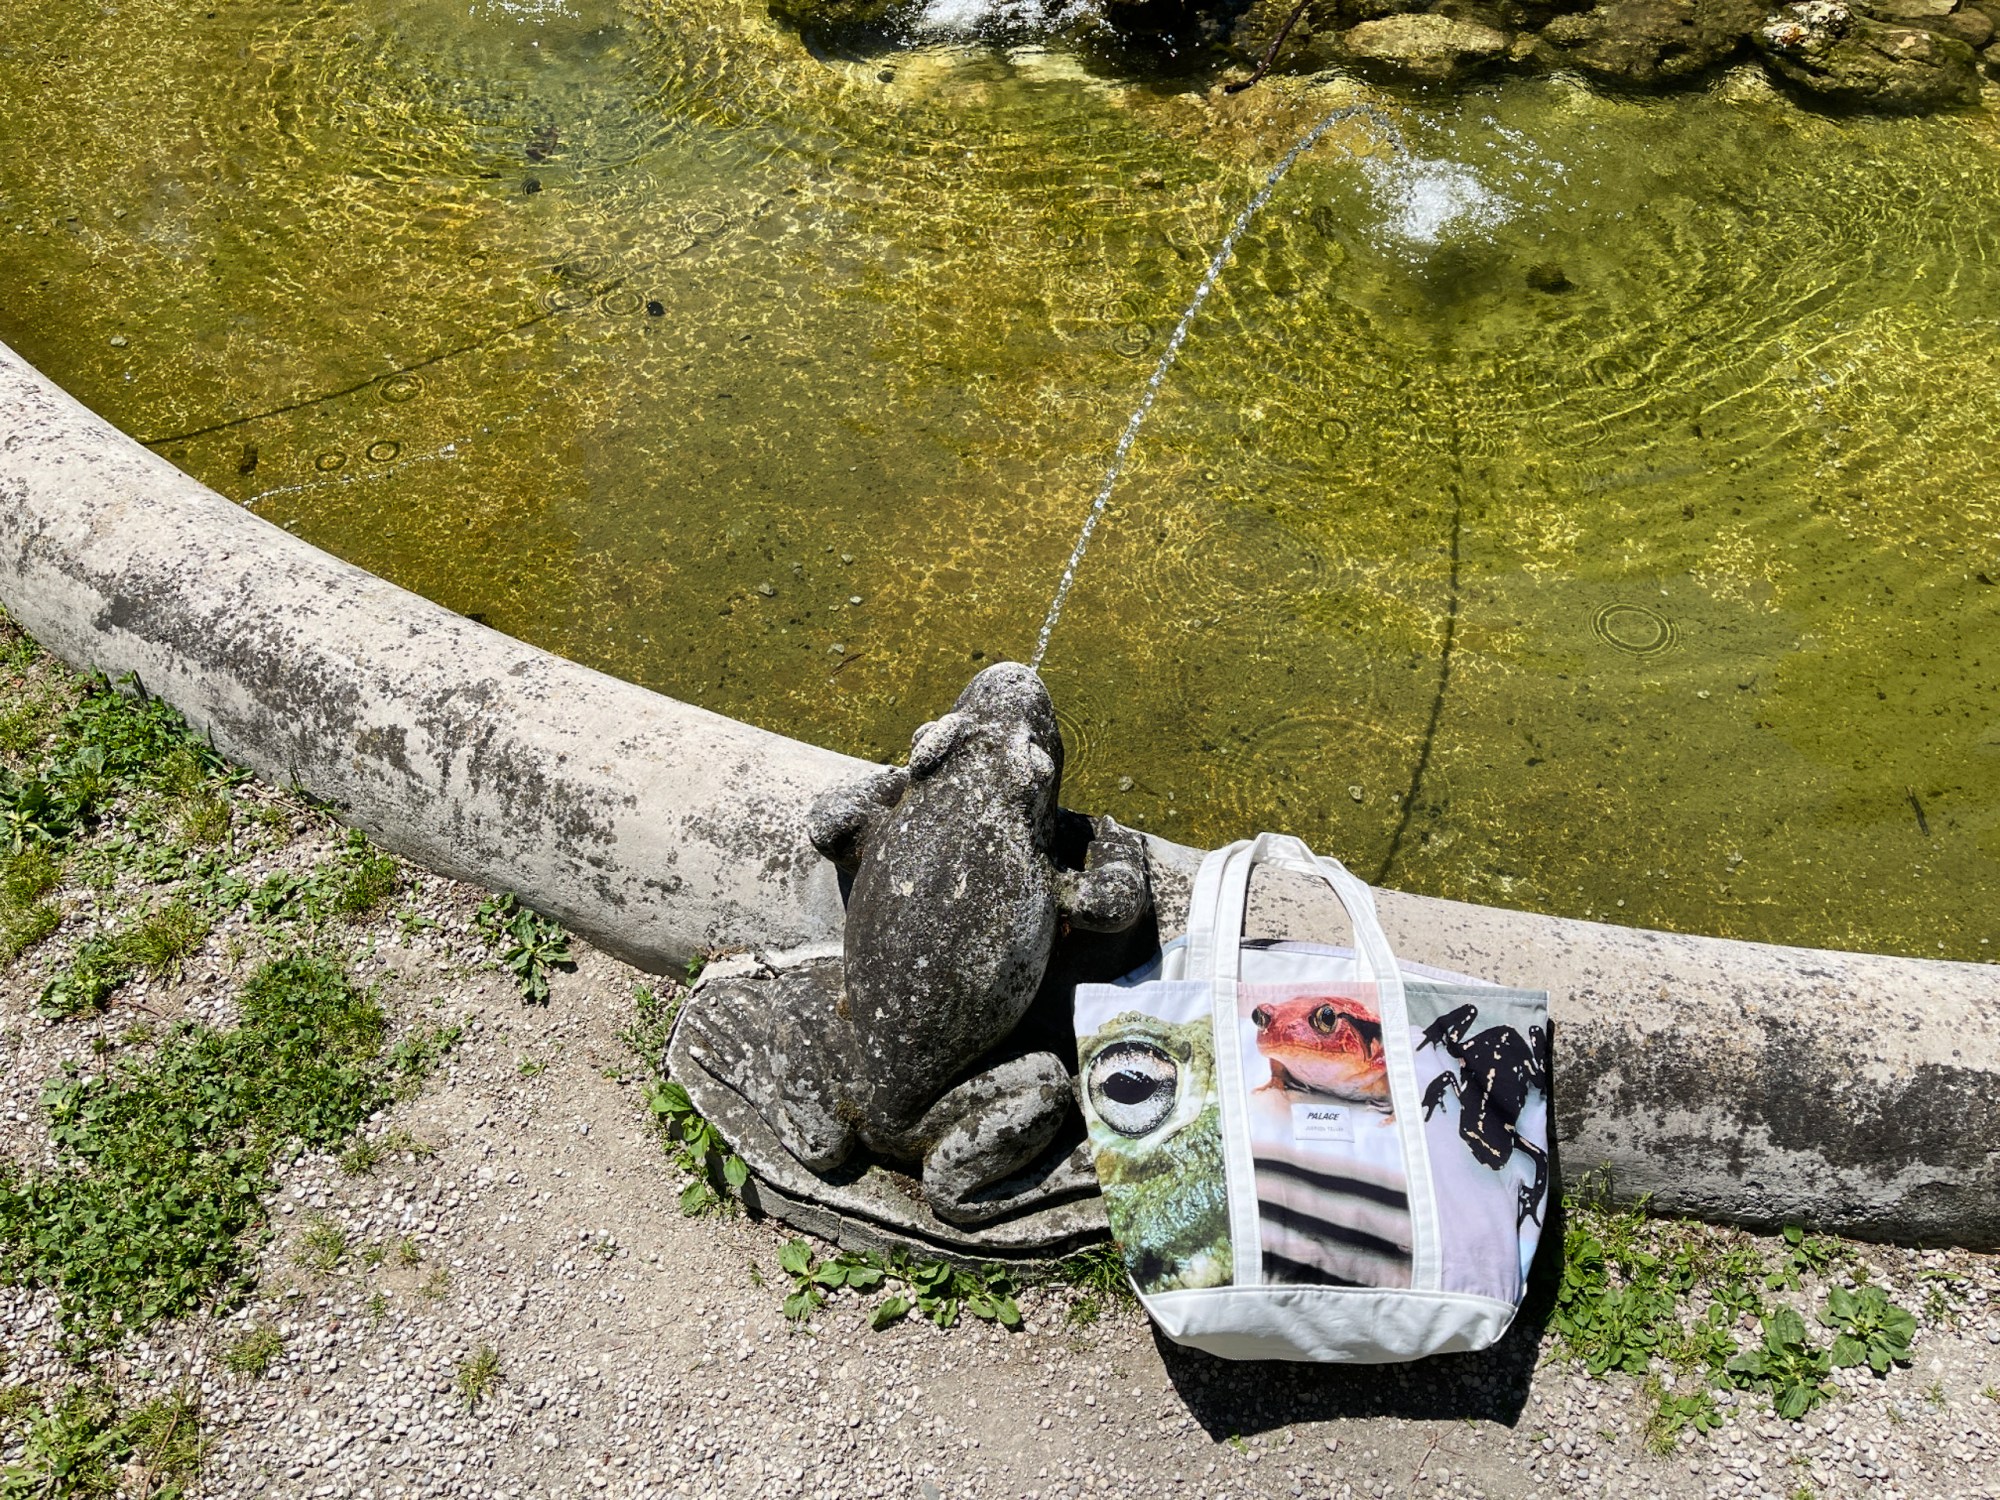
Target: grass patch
361, 1158
254, 1353
322, 1246
25, 927
478, 1376
1097, 1275
163, 940
351, 885
30, 874
88, 1444
162, 1162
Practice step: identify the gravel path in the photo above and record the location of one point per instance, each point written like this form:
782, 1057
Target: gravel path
643, 1353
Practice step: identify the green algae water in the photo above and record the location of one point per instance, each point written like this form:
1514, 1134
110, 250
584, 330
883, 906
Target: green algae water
1592, 510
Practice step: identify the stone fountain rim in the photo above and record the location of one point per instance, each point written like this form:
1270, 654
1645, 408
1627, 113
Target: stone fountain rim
659, 830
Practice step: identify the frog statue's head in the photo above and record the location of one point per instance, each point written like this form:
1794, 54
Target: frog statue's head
1006, 718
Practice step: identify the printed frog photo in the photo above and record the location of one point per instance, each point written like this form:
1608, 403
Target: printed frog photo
1332, 1201
1155, 1121
1324, 1044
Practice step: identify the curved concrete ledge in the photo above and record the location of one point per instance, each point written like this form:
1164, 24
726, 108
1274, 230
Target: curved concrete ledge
1734, 1081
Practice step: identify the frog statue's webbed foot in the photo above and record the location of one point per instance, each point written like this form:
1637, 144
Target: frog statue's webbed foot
988, 1143
1110, 892
760, 1033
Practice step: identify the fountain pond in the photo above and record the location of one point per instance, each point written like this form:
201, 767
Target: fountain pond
1590, 507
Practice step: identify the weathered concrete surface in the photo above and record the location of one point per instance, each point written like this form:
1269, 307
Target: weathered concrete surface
654, 828
1742, 1082
1731, 1080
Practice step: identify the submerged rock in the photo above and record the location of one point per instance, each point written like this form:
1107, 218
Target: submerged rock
834, 12
1649, 41
1547, 276
1826, 49
1427, 48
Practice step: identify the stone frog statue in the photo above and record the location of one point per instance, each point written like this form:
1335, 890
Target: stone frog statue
956, 905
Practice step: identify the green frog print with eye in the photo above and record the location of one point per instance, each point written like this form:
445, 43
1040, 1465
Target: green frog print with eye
1149, 1097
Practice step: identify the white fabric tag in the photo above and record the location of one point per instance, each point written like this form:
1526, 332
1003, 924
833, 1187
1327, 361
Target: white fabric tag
1323, 1122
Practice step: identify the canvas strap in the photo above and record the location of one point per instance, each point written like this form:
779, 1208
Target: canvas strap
1216, 912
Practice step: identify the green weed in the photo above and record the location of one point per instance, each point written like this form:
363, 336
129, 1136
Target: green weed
417, 1055
254, 1353
1786, 1365
1805, 1255
99, 965
1872, 1329
436, 1286
1674, 1412
359, 879
407, 1253
1617, 1305
162, 1161
527, 944
718, 1173
934, 1289
653, 1016
478, 1376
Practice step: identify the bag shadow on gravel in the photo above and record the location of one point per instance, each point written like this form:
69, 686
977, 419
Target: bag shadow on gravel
1242, 1398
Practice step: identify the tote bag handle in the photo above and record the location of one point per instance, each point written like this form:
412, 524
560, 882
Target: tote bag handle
1216, 912
1220, 900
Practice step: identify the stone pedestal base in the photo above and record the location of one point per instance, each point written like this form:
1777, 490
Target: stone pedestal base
864, 1204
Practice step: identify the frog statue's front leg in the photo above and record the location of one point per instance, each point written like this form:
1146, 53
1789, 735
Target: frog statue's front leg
1110, 892
983, 1145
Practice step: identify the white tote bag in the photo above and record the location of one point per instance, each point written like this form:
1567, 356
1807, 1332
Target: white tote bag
1312, 1152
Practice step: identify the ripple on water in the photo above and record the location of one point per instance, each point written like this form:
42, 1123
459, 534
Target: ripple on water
1635, 629
1220, 558
1422, 201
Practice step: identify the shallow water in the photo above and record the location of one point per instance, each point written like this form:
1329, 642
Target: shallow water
1658, 598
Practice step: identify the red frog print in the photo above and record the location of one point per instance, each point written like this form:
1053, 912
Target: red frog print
1324, 1044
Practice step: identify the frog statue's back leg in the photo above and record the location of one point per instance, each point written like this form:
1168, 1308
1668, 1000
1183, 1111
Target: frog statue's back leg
983, 1144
